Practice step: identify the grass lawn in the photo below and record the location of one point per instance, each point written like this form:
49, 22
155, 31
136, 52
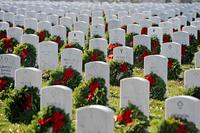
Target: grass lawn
157, 108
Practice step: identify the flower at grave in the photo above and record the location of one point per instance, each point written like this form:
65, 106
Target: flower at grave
140, 52
177, 125
144, 30
131, 119
119, 70
22, 104
3, 34
51, 117
6, 84
157, 86
174, 69
67, 77
27, 52
7, 45
73, 45
194, 91
91, 92
93, 55
155, 45
166, 38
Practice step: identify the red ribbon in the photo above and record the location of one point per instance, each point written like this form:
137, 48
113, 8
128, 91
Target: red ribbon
124, 67
24, 54
155, 44
141, 57
27, 103
3, 35
8, 43
3, 82
69, 46
93, 87
58, 40
57, 119
41, 36
183, 51
166, 38
126, 116
144, 30
170, 64
181, 129
151, 80
69, 73
94, 56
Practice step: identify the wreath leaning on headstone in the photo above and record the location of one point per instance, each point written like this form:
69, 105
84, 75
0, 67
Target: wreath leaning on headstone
174, 69
56, 39
73, 45
177, 125
3, 34
91, 92
7, 45
119, 70
42, 35
167, 38
187, 53
195, 92
68, 77
6, 84
93, 55
28, 54
50, 119
155, 45
157, 86
29, 31
22, 104
131, 120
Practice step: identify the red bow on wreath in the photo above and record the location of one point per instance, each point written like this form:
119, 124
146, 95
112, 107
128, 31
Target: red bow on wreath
24, 54
124, 67
57, 119
69, 73
141, 57
94, 56
3, 35
181, 129
183, 51
27, 104
126, 116
93, 87
144, 30
3, 82
7, 43
151, 80
155, 44
166, 38
41, 36
58, 40
170, 64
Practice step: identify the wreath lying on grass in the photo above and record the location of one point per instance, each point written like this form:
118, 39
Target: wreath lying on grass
29, 31
157, 86
56, 39
110, 49
177, 125
73, 45
174, 69
91, 92
3, 34
27, 52
155, 45
140, 52
131, 120
167, 38
7, 45
50, 117
67, 77
195, 92
119, 70
6, 84
187, 53
22, 104
93, 55
42, 35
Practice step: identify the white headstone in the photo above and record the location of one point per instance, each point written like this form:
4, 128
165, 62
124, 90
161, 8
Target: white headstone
98, 29
181, 37
197, 59
144, 40
99, 43
81, 26
44, 25
77, 37
15, 32
117, 36
60, 31
192, 78
30, 23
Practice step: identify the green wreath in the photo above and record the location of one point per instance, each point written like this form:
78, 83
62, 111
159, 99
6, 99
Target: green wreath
140, 52
73, 45
68, 77
167, 38
187, 53
42, 35
3, 34
50, 117
22, 104
119, 70
155, 45
129, 39
93, 55
7, 45
27, 52
177, 125
157, 86
193, 40
174, 69
195, 92
6, 84
56, 39
111, 46
91, 92
131, 120
29, 31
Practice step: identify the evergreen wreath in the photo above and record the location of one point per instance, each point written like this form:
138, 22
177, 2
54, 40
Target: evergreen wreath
50, 117
111, 46
119, 70
56, 39
193, 40
7, 45
187, 53
167, 38
42, 35
28, 54
93, 55
177, 125
140, 52
155, 45
195, 92
157, 86
91, 92
68, 77
129, 39
6, 84
174, 69
3, 34
22, 104
29, 31
131, 120
73, 45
